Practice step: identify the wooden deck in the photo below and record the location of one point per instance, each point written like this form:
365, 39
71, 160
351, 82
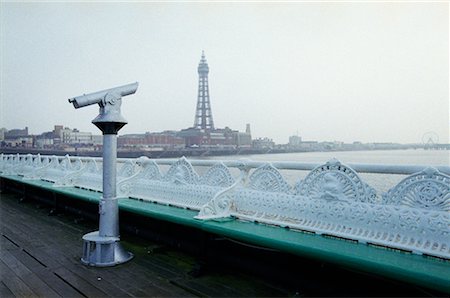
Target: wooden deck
40, 256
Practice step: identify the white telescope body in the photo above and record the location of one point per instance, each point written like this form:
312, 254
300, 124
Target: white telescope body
99, 96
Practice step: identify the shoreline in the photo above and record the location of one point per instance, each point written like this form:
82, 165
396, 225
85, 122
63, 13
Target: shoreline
188, 152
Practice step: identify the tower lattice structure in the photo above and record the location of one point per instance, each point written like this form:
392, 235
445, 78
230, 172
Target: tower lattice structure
203, 114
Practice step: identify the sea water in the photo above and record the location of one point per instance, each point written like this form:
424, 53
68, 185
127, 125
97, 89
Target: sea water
380, 182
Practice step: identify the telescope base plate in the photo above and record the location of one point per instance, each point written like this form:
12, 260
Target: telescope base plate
102, 251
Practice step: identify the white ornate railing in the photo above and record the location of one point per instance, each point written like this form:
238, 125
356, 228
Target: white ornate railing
332, 199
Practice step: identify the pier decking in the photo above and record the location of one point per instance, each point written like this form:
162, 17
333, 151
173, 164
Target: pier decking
40, 256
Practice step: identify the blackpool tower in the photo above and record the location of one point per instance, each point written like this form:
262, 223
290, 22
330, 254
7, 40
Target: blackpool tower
203, 114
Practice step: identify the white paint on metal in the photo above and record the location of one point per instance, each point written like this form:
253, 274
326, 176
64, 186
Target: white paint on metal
332, 199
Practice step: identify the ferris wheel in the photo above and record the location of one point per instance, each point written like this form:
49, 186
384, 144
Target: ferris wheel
430, 138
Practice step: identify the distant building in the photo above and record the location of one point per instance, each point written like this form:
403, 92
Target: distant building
17, 138
263, 143
74, 136
2, 133
203, 114
309, 145
58, 133
295, 141
97, 140
243, 139
203, 133
44, 143
13, 133
165, 140
221, 137
193, 137
24, 142
45, 140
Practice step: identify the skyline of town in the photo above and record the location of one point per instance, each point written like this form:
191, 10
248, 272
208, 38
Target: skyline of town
203, 134
73, 136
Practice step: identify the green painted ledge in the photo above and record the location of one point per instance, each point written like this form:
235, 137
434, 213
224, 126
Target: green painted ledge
425, 271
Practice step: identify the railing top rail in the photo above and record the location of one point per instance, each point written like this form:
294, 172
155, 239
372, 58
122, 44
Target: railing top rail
281, 165
292, 165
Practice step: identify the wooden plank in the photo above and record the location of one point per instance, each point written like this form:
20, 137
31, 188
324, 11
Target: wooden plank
128, 276
49, 254
15, 233
14, 283
55, 262
198, 289
162, 268
79, 283
90, 274
13, 263
32, 280
119, 277
46, 275
30, 262
28, 246
6, 244
4, 291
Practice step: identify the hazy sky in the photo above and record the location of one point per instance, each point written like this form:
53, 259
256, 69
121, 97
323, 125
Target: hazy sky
370, 72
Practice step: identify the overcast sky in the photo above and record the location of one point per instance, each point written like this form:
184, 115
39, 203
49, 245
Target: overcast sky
370, 72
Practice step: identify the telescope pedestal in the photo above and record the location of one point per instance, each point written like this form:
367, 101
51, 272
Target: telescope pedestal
102, 248
103, 251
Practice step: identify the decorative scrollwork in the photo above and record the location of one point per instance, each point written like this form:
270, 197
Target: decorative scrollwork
127, 169
335, 181
78, 164
45, 160
182, 172
149, 169
124, 189
219, 207
88, 177
217, 175
268, 178
25, 163
222, 204
54, 162
37, 161
29, 159
91, 166
428, 189
65, 163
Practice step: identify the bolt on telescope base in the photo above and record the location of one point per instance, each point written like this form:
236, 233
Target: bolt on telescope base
101, 251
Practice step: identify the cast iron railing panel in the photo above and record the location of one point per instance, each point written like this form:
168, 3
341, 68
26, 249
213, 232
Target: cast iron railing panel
332, 199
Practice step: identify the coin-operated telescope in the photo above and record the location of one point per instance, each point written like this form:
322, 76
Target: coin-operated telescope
102, 248
99, 96
109, 100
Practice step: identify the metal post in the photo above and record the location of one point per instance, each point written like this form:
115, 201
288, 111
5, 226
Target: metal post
109, 211
102, 248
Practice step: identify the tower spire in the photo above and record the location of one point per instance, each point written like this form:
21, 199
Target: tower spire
203, 114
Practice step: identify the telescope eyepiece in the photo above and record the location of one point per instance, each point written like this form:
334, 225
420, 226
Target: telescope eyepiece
74, 102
